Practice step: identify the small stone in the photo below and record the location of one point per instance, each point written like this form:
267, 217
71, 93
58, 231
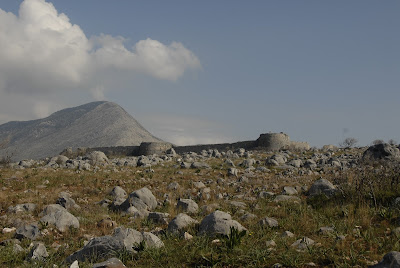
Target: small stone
75, 264
287, 234
8, 230
268, 222
187, 236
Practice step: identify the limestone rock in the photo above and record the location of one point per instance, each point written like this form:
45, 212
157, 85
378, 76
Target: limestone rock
180, 223
268, 222
218, 222
322, 186
30, 231
383, 151
187, 206
38, 252
391, 259
60, 217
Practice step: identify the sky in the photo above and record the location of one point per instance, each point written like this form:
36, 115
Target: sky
195, 72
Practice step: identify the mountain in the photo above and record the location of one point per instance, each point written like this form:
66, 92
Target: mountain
95, 124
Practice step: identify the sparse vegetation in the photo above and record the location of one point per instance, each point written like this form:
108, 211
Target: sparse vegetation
362, 213
348, 142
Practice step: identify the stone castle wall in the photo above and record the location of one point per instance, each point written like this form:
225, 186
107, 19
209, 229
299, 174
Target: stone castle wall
273, 141
150, 148
267, 142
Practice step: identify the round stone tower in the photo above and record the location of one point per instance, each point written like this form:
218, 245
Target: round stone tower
273, 141
150, 148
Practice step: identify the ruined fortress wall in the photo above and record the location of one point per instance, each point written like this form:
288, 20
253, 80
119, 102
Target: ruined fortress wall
220, 147
150, 148
298, 146
273, 141
266, 142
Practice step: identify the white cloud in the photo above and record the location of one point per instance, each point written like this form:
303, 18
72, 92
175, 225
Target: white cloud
98, 93
186, 130
42, 53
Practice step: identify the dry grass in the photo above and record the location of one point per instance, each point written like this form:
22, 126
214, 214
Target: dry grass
363, 213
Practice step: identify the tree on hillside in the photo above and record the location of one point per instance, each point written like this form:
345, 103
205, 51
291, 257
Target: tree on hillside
348, 142
376, 142
392, 142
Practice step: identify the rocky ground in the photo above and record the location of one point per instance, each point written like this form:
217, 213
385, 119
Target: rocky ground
318, 208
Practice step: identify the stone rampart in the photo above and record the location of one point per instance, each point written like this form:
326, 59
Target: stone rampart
267, 142
273, 141
150, 148
220, 147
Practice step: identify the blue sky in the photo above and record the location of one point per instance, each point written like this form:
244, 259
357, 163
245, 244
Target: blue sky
318, 70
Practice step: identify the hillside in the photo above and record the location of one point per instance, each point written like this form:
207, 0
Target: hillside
96, 124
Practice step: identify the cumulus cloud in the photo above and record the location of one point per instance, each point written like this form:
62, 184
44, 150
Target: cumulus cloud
42, 52
187, 130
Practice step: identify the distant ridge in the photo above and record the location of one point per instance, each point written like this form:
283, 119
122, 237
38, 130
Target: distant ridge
95, 124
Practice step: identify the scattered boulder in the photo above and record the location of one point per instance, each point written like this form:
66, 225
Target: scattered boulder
60, 217
391, 259
158, 217
38, 252
66, 201
118, 196
180, 223
30, 231
383, 151
200, 165
233, 172
27, 207
218, 222
142, 199
97, 157
268, 222
322, 186
303, 243
187, 206
288, 190
110, 245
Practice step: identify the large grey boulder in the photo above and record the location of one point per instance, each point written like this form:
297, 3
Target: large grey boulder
180, 223
288, 190
60, 217
38, 252
142, 199
383, 151
27, 207
322, 186
118, 195
111, 245
218, 222
97, 157
390, 260
97, 248
65, 200
276, 160
151, 240
187, 206
30, 231
146, 196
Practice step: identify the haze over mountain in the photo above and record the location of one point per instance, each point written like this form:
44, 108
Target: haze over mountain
95, 124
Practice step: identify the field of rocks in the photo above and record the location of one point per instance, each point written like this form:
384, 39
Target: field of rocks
331, 207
